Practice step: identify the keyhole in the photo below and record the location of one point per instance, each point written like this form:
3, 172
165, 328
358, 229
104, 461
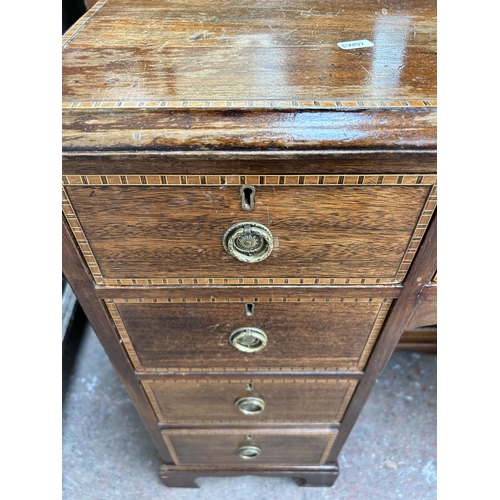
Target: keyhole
247, 197
250, 387
249, 309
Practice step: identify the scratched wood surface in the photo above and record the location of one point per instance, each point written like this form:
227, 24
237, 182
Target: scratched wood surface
219, 50
166, 130
193, 335
221, 74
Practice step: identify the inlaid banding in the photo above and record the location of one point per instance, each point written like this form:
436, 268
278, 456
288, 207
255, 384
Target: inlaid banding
322, 181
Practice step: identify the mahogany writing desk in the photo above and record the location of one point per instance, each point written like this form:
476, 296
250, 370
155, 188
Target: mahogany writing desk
249, 215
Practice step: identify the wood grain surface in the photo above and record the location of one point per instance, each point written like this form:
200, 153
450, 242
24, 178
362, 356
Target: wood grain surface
344, 230
231, 75
246, 293
421, 273
78, 276
211, 400
122, 130
425, 311
256, 163
219, 50
324, 336
279, 447
422, 339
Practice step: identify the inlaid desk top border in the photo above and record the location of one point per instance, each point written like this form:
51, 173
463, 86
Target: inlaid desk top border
402, 98
254, 104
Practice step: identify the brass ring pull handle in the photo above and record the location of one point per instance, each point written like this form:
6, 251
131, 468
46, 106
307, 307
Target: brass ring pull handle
248, 339
250, 405
248, 452
248, 241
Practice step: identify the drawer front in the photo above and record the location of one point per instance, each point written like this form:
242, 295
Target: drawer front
249, 399
302, 332
250, 446
324, 229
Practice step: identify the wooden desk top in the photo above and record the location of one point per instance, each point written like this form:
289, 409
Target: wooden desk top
221, 55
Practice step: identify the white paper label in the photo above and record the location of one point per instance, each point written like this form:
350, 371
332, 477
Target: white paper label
355, 44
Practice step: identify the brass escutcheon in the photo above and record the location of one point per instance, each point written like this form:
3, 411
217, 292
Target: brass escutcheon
248, 339
248, 241
248, 452
250, 405
247, 194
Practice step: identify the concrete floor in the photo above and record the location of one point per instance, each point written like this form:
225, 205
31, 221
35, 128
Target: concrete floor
108, 454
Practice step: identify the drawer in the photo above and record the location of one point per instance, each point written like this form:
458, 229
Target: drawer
249, 399
262, 331
250, 446
322, 229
